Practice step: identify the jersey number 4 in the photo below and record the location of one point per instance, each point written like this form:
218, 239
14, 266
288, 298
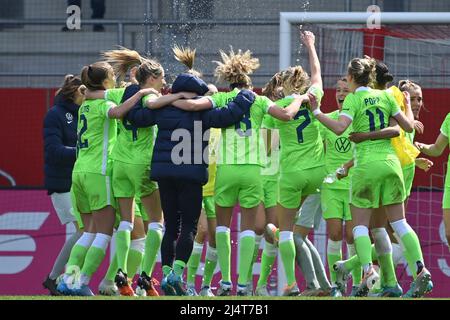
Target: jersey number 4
82, 143
303, 125
129, 126
372, 119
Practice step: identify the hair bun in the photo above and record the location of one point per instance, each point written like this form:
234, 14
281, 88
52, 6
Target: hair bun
388, 77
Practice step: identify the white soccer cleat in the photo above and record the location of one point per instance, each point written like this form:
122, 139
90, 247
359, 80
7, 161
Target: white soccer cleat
190, 291
342, 275
250, 288
367, 283
140, 292
224, 288
206, 292
262, 291
108, 288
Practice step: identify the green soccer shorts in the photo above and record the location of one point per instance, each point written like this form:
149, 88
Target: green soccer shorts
377, 183
336, 204
238, 183
92, 191
131, 180
208, 204
297, 184
270, 192
408, 177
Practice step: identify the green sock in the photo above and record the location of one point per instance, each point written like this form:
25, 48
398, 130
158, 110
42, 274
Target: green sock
411, 244
351, 263
357, 270
334, 254
332, 259
364, 250
267, 260
178, 267
255, 256
411, 263
374, 253
152, 244
94, 258
134, 261
210, 266
287, 253
77, 258
194, 262
123, 241
223, 244
387, 270
246, 246
375, 257
166, 270
112, 269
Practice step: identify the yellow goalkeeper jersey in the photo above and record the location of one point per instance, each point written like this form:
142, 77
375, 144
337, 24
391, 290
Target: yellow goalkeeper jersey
214, 137
404, 148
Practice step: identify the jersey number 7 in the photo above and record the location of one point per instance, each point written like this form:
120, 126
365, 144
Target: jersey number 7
303, 125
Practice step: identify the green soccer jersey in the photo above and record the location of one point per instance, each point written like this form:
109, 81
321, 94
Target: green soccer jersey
134, 145
410, 136
96, 137
272, 169
242, 143
445, 130
370, 110
300, 140
338, 150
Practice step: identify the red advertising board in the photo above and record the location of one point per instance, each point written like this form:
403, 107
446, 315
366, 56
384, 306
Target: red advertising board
31, 237
23, 112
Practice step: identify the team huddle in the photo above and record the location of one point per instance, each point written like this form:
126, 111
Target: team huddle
140, 171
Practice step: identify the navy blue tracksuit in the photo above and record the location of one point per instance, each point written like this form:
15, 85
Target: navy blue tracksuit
60, 140
181, 176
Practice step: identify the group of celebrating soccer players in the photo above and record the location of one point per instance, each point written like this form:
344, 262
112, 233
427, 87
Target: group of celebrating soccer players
272, 154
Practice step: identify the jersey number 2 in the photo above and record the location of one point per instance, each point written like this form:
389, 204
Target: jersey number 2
83, 143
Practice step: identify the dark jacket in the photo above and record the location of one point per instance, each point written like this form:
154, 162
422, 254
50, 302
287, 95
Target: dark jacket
188, 145
60, 140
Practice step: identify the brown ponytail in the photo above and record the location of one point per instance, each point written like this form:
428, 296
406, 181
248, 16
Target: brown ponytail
93, 75
124, 59
69, 87
272, 88
187, 57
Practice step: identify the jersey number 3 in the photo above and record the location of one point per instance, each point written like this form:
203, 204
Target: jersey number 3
248, 126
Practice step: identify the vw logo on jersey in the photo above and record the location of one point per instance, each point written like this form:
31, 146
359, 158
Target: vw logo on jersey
69, 117
342, 145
